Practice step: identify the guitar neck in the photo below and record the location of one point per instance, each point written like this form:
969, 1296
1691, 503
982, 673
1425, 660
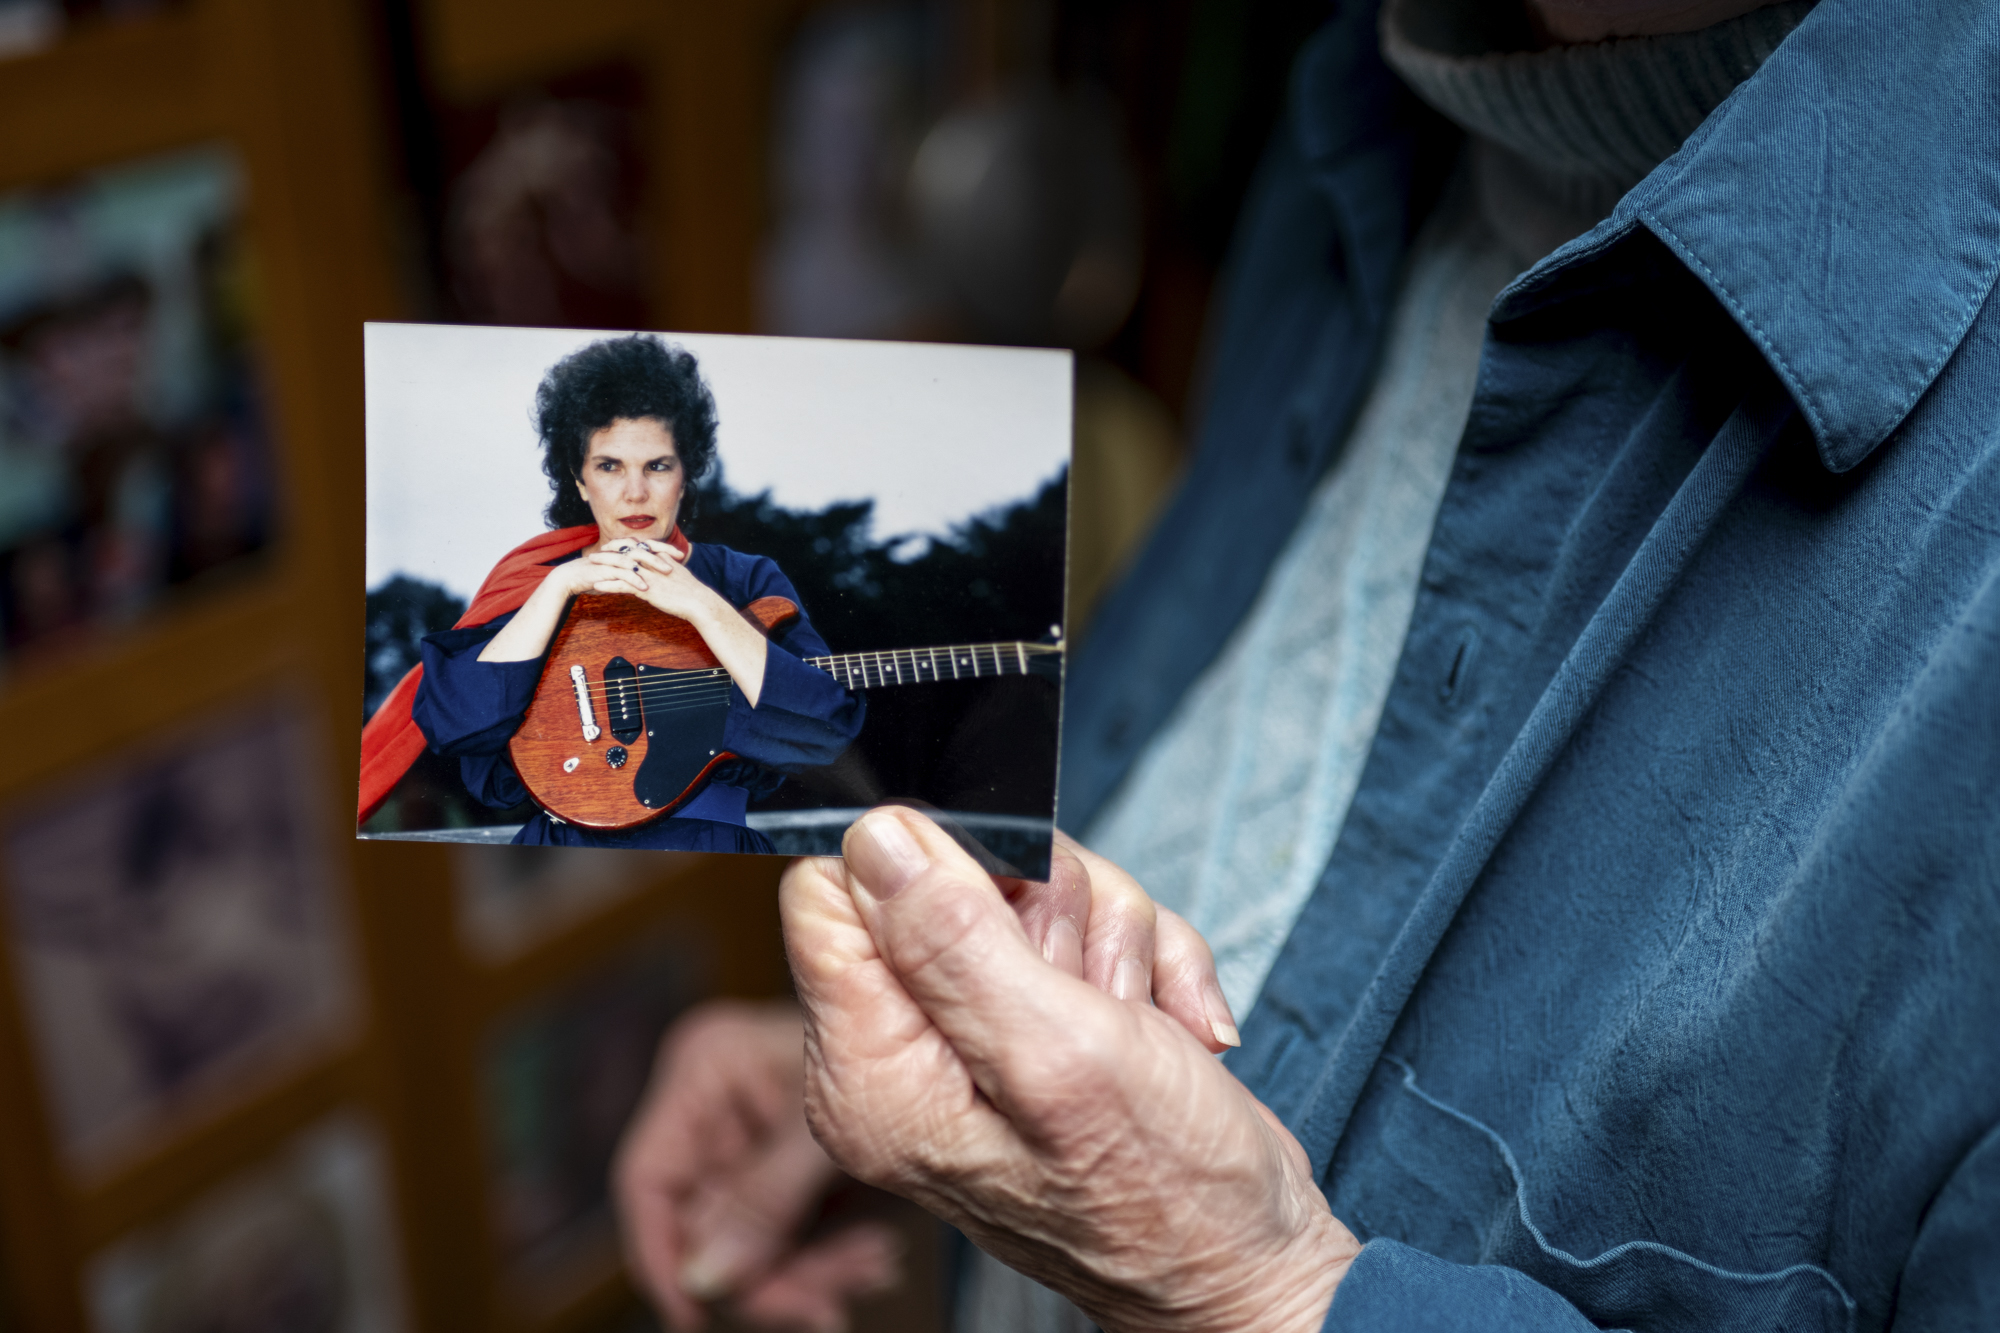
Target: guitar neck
912, 666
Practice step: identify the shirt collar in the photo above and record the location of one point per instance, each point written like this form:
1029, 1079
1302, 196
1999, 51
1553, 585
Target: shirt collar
1843, 204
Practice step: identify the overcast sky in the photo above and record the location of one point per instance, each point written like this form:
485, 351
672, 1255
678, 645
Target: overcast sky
932, 433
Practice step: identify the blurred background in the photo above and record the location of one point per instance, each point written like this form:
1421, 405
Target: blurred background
254, 1074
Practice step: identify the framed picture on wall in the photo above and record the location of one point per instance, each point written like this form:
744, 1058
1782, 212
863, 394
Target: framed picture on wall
135, 458
176, 928
560, 1077
303, 1240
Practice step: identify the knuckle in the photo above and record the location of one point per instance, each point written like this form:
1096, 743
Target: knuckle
1060, 1072
1123, 905
1180, 948
935, 938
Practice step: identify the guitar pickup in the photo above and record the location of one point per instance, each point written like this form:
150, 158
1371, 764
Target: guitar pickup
623, 713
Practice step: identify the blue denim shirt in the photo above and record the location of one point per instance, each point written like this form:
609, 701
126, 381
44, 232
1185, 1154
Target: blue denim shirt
1654, 980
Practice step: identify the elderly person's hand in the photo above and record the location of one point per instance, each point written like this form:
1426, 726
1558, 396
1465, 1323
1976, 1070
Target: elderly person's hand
718, 1170
1085, 1139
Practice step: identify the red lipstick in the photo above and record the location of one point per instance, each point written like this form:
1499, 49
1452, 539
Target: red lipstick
638, 521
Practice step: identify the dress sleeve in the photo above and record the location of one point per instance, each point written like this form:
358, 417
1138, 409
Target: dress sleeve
468, 709
804, 717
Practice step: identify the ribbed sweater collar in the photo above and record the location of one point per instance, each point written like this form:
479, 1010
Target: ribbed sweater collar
1589, 121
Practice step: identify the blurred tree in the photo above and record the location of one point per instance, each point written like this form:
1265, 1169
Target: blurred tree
976, 745
399, 613
998, 575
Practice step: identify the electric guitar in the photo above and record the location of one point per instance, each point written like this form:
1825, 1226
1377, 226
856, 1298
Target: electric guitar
626, 722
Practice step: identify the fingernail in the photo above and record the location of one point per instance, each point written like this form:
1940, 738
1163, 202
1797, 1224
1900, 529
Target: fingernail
1129, 981
701, 1282
885, 857
1220, 1021
1063, 946
715, 1268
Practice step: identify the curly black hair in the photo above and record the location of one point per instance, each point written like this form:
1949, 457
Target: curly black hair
632, 377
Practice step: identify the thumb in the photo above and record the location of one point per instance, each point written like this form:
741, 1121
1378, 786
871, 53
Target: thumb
951, 939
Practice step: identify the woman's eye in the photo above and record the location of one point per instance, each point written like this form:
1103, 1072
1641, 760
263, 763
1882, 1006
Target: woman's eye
662, 465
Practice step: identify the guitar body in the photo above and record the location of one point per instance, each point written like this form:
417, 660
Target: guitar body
657, 700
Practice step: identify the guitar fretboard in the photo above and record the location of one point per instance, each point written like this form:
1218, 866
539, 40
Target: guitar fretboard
910, 666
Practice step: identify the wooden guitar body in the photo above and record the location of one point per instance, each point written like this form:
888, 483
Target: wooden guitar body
626, 723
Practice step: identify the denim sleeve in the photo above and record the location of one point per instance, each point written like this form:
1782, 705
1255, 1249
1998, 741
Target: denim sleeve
1393, 1288
468, 709
804, 717
1951, 1280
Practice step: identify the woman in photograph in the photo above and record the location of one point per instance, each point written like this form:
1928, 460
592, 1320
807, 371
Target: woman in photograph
628, 429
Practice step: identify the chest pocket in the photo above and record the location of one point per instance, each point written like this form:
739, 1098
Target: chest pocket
1412, 1169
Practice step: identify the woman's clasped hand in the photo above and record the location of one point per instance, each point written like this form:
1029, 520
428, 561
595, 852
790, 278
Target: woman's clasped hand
651, 572
647, 570
958, 1053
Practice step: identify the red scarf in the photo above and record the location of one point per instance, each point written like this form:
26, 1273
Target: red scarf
391, 741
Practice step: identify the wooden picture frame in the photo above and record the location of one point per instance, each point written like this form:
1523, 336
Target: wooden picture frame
293, 90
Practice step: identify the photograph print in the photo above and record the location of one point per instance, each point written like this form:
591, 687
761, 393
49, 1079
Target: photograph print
711, 593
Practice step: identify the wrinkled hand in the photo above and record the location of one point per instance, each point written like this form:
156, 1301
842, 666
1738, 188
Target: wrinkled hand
718, 1171
1084, 1139
1093, 921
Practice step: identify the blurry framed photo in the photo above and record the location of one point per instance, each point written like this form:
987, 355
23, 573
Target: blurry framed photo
708, 593
301, 1241
177, 928
560, 1076
134, 453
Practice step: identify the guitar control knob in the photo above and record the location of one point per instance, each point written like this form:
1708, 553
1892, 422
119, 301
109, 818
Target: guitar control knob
616, 756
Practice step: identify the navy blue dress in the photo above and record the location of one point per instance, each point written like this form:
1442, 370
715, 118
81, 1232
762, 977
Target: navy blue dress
468, 710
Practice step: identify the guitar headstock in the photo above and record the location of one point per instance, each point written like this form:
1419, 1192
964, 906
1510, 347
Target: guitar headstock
1046, 658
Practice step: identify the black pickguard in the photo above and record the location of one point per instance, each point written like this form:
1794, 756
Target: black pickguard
681, 743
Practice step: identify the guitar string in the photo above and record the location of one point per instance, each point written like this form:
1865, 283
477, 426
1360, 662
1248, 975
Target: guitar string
653, 686
1002, 662
662, 689
979, 656
653, 714
657, 696
673, 692
664, 686
651, 689
655, 708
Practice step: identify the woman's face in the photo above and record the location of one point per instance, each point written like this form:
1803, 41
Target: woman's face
632, 479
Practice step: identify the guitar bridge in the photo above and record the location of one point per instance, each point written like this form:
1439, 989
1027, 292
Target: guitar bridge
581, 683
